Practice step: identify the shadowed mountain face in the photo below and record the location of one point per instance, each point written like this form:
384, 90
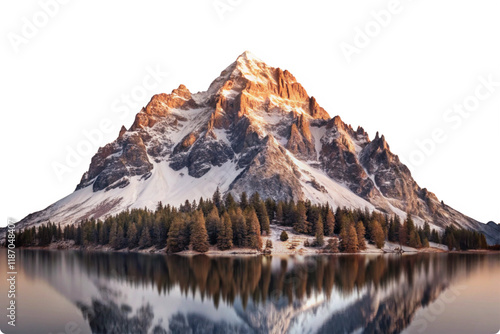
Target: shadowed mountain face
132, 293
255, 129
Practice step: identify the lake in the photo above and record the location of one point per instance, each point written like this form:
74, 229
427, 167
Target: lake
81, 292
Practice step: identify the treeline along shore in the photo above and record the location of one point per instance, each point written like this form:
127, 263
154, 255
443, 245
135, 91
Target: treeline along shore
224, 224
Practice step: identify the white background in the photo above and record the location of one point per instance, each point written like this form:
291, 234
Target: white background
68, 77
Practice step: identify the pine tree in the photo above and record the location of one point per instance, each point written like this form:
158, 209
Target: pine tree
414, 240
255, 201
202, 206
403, 234
344, 239
421, 234
339, 223
263, 219
301, 224
216, 198
212, 223
283, 236
199, 235
59, 232
352, 240
449, 240
86, 232
239, 227
329, 222
101, 236
271, 208
320, 240
176, 240
377, 234
435, 236
145, 239
391, 234
132, 236
121, 237
244, 200
410, 228
225, 237
113, 235
253, 238
360, 232
397, 227
230, 202
425, 243
186, 207
482, 242
159, 235
427, 230
279, 213
261, 211
289, 213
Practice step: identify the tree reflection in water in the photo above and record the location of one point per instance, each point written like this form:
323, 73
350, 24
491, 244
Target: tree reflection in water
268, 294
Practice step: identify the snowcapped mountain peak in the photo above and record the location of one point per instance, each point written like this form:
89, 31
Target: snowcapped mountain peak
249, 58
256, 130
246, 68
249, 55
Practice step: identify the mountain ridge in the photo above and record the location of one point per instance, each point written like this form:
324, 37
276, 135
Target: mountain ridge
255, 129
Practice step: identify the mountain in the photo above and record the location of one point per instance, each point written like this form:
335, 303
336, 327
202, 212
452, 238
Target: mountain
256, 130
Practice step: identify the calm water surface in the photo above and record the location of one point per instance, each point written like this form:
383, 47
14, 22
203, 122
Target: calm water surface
78, 292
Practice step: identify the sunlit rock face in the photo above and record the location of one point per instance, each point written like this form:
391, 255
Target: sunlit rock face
119, 293
255, 129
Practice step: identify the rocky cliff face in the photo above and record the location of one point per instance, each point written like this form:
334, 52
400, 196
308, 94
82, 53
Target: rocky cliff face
256, 130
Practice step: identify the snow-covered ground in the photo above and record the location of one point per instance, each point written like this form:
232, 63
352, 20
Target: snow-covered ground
438, 246
284, 247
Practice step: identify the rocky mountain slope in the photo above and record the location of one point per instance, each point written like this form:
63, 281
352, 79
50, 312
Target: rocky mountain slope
256, 130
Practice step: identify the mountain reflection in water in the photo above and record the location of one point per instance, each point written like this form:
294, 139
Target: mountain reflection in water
136, 293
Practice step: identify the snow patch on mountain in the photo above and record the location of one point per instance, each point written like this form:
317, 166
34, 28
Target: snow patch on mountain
334, 193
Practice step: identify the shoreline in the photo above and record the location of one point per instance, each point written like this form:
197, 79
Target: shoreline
214, 252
